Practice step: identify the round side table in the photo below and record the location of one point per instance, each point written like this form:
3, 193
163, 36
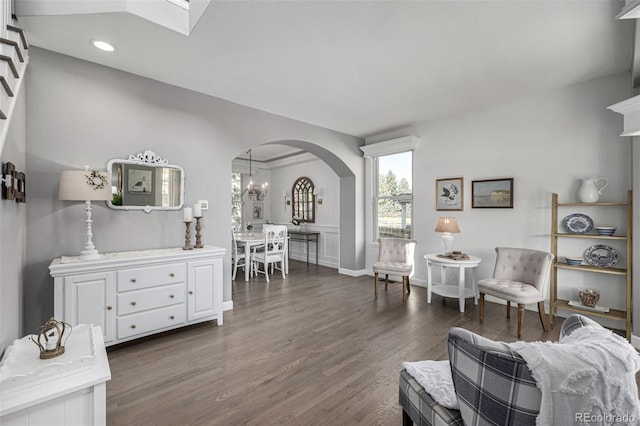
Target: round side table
443, 289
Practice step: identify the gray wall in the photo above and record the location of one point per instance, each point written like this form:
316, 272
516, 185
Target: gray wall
13, 225
85, 114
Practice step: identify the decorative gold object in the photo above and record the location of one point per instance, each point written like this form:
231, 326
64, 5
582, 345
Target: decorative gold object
198, 236
50, 338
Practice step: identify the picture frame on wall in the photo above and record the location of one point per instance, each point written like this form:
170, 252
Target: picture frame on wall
492, 194
140, 181
450, 194
258, 210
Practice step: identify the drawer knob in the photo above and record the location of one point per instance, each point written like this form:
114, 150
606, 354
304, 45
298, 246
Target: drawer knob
172, 296
133, 326
172, 275
133, 280
171, 317
190, 291
133, 302
109, 308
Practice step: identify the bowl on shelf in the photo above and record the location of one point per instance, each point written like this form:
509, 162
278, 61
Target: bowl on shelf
589, 297
605, 230
573, 260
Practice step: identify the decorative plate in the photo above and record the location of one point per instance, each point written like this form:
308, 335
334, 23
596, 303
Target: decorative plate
601, 255
577, 223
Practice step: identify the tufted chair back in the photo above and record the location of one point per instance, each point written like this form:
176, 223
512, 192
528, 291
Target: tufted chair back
524, 265
396, 250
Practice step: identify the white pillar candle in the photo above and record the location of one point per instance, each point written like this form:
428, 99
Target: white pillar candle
197, 210
187, 214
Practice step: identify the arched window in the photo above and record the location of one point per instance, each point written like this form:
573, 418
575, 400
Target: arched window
304, 206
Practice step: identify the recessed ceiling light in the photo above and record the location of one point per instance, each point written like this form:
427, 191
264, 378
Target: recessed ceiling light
103, 45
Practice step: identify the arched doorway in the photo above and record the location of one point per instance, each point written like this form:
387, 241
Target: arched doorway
351, 232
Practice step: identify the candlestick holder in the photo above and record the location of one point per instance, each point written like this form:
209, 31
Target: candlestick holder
187, 237
198, 227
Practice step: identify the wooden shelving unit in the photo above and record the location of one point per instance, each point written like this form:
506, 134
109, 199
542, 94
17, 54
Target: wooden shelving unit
554, 302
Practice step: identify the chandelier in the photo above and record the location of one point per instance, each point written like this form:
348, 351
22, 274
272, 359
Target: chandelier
255, 192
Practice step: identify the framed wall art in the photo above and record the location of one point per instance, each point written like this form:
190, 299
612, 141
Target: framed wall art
258, 210
450, 194
492, 194
140, 181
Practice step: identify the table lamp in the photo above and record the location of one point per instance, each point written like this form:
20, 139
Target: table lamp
87, 186
447, 225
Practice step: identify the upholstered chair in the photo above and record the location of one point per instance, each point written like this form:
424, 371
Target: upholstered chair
395, 257
520, 276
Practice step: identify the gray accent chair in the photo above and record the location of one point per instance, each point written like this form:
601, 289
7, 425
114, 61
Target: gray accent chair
395, 257
520, 276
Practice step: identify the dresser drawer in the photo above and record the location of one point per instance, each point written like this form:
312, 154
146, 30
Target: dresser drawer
151, 276
148, 321
131, 302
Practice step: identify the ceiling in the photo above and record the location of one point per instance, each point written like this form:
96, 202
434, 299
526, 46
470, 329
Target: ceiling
360, 67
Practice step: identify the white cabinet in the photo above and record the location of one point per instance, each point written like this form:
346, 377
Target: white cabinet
66, 390
135, 294
89, 299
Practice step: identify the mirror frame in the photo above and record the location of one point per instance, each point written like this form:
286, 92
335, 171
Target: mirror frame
149, 159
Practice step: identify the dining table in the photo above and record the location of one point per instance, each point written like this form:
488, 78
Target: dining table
252, 239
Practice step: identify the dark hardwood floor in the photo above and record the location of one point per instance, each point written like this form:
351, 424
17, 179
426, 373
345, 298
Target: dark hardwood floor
316, 348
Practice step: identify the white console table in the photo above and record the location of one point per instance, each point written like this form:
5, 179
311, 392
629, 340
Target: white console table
445, 290
138, 293
67, 390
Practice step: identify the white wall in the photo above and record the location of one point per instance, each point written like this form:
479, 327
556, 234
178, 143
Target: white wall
85, 114
13, 225
327, 214
547, 144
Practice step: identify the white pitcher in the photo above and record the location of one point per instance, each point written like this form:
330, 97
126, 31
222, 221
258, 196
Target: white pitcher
589, 191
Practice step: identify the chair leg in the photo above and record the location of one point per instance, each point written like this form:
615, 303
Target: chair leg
508, 309
406, 419
543, 319
386, 282
375, 284
404, 289
235, 269
282, 269
266, 269
520, 319
408, 286
481, 307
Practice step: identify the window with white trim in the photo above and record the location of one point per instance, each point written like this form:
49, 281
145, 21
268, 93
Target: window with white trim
393, 193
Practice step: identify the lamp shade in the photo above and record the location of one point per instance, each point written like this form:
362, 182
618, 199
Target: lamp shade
447, 224
84, 185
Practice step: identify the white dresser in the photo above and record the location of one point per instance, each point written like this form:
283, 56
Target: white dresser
138, 293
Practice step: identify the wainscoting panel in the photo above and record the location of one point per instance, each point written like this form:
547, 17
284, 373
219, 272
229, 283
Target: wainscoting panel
328, 246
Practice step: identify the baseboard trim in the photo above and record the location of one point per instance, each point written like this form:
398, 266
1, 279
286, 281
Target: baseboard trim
635, 341
352, 272
312, 261
227, 306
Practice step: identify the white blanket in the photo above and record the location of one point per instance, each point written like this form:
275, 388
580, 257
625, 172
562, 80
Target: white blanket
435, 378
587, 378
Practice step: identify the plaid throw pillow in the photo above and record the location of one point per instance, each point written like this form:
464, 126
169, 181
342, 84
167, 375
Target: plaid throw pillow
493, 384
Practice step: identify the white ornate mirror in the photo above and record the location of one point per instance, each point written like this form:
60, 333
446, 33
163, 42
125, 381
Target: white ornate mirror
145, 182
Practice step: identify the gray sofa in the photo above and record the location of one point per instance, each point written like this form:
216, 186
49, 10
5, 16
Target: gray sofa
493, 384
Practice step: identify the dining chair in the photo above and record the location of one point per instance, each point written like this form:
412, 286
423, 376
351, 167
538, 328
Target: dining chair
395, 257
275, 247
238, 256
520, 276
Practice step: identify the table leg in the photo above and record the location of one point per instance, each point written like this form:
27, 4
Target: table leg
307, 250
247, 260
429, 281
461, 288
317, 249
475, 286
